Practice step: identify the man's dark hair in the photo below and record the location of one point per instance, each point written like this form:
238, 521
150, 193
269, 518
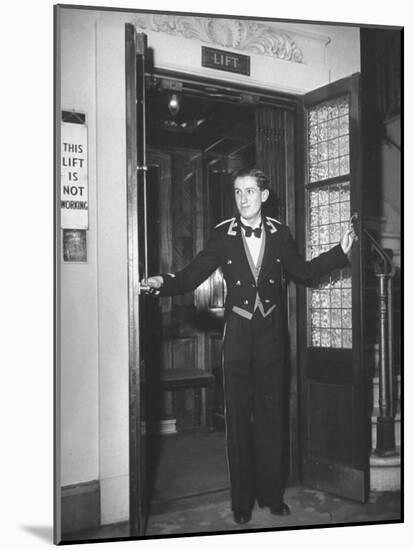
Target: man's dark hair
260, 177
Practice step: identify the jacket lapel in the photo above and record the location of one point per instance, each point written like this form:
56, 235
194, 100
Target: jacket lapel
269, 252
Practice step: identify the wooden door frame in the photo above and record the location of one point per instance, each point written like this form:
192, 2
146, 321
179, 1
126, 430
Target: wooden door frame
258, 97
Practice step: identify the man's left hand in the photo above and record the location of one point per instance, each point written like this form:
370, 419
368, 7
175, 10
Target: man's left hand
347, 240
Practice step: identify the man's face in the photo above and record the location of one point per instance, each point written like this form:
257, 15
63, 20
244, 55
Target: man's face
249, 197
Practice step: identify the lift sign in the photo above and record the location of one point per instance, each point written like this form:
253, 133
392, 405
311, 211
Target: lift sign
74, 176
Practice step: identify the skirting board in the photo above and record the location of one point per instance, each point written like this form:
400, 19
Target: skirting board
81, 507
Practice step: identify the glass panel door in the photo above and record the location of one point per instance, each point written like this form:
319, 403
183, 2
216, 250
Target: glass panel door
335, 428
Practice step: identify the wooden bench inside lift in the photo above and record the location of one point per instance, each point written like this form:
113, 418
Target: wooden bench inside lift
190, 378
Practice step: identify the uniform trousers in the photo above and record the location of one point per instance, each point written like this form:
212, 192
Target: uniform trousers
253, 366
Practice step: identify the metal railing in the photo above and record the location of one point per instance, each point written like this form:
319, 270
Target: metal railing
385, 272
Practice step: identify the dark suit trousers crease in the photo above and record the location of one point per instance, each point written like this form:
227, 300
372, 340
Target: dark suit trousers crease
253, 364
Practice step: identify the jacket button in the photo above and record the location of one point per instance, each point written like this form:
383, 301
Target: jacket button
253, 285
271, 281
238, 283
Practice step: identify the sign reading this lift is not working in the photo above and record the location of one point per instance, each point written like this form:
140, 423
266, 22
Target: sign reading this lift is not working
74, 176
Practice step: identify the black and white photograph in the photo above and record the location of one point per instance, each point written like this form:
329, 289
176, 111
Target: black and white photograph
228, 273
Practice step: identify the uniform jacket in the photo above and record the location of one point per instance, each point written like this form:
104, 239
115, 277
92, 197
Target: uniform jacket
226, 249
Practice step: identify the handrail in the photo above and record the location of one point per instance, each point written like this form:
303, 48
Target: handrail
381, 252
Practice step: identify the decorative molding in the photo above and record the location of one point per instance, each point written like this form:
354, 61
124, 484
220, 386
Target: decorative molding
247, 36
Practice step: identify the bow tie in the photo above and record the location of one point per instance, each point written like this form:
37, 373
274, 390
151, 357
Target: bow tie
249, 230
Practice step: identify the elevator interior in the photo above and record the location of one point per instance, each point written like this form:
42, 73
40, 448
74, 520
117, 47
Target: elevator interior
196, 138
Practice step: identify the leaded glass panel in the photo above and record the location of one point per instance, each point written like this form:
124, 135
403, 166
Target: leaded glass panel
330, 303
328, 135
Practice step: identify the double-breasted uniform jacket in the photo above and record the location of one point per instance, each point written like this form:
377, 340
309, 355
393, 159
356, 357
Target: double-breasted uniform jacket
247, 285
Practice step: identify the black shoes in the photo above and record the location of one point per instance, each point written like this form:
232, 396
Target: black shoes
281, 510
242, 518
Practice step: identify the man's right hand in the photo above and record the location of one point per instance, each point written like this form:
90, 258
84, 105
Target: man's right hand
154, 282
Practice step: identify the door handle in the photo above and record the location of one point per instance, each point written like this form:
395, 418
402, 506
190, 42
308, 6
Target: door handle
146, 289
354, 221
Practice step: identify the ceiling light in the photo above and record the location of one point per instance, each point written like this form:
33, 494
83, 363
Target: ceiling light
174, 104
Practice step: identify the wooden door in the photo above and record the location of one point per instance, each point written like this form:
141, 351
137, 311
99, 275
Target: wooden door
333, 377
135, 54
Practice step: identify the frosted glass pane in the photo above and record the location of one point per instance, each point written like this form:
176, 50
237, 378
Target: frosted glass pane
346, 297
335, 213
336, 300
324, 215
313, 196
322, 113
316, 318
313, 174
314, 217
313, 154
343, 145
316, 338
347, 318
314, 236
333, 111
343, 125
334, 233
323, 170
333, 148
324, 234
313, 117
325, 318
344, 165
336, 338
313, 134
345, 193
347, 338
334, 168
336, 318
323, 151
315, 301
332, 128
324, 298
323, 196
345, 211
333, 193
325, 338
322, 131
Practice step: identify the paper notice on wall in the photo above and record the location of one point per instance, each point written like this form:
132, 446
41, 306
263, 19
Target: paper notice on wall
74, 176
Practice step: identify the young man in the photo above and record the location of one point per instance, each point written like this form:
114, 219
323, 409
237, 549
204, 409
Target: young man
251, 249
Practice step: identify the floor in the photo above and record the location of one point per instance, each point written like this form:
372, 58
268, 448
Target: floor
190, 496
